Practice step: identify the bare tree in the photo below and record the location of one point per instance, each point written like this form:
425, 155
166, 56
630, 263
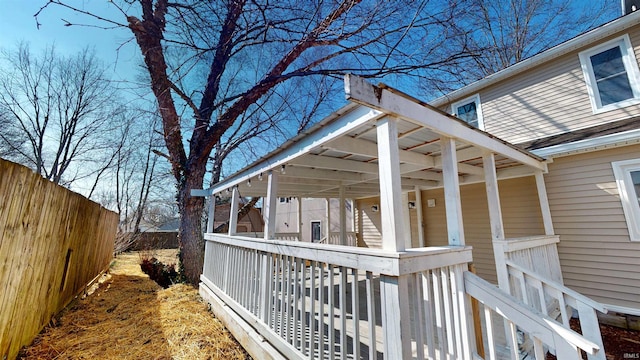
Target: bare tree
55, 111
218, 70
500, 33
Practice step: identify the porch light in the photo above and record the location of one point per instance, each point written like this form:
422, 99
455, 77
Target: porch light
412, 204
375, 208
260, 177
249, 183
282, 169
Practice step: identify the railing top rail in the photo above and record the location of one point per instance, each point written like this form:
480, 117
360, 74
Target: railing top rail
545, 328
375, 260
559, 287
521, 243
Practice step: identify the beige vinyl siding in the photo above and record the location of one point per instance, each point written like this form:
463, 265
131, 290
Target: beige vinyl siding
597, 257
548, 100
368, 224
520, 210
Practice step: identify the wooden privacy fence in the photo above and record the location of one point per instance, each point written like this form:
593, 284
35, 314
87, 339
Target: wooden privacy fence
53, 242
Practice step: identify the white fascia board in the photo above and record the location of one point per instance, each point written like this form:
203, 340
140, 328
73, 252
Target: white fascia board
575, 44
394, 103
618, 139
358, 116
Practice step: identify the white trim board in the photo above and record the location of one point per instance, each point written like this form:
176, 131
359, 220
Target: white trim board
581, 146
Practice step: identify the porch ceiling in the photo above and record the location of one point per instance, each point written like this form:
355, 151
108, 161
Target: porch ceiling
342, 151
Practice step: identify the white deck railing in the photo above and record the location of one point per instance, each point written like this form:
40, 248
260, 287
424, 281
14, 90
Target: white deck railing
544, 331
334, 238
321, 301
318, 301
532, 267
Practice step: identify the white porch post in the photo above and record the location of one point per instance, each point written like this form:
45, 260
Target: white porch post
300, 218
233, 211
328, 202
497, 234
270, 206
544, 204
453, 204
343, 217
406, 220
495, 218
394, 290
212, 212
419, 216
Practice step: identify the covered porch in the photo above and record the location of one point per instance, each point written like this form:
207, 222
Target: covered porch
294, 299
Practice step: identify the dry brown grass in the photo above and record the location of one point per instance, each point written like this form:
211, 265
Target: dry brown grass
131, 317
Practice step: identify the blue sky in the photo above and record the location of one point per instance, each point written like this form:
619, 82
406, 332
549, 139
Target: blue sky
18, 24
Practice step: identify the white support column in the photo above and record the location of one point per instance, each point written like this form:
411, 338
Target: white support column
328, 227
544, 204
495, 218
299, 218
212, 213
270, 206
453, 204
419, 216
343, 217
406, 220
396, 318
393, 237
233, 211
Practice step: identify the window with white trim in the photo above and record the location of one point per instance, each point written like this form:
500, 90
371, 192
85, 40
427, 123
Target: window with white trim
611, 75
627, 174
469, 110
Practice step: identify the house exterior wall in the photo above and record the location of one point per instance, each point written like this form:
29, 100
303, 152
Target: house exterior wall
313, 209
548, 100
521, 215
596, 254
520, 211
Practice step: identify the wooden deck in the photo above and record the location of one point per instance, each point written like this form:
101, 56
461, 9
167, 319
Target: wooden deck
316, 301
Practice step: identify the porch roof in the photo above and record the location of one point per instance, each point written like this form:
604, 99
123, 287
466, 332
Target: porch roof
342, 150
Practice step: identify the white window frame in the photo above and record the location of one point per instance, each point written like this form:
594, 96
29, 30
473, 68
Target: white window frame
622, 172
476, 99
630, 65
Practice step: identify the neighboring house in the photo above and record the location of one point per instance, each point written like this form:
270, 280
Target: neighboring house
252, 222
314, 217
578, 106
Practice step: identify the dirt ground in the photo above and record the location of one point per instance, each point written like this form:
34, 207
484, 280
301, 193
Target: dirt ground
128, 316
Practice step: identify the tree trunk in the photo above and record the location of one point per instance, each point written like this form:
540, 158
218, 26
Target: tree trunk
190, 234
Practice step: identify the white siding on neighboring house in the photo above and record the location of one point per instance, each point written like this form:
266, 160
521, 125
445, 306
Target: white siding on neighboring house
596, 254
548, 100
313, 209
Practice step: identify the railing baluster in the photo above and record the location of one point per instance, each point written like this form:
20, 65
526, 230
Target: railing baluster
418, 319
448, 316
428, 304
343, 311
313, 323
439, 313
321, 313
491, 341
355, 313
331, 292
303, 309
295, 305
371, 315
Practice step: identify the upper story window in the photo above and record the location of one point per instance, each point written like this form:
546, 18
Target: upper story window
611, 74
627, 174
469, 110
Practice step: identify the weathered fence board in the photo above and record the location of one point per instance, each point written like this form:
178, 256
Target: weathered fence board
53, 242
